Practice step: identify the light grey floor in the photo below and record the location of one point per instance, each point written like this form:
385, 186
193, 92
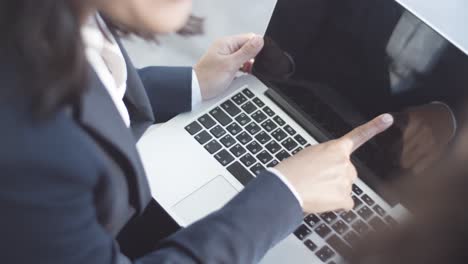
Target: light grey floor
222, 18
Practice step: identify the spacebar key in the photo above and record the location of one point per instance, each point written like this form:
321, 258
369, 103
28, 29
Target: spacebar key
240, 173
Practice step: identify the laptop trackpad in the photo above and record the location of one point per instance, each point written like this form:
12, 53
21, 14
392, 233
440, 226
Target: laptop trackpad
212, 196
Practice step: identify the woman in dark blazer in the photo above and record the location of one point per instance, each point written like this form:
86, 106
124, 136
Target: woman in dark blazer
71, 178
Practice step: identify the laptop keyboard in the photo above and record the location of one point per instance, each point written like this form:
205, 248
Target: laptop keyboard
246, 136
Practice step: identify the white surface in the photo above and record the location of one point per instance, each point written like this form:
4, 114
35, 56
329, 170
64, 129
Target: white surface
448, 17
205, 200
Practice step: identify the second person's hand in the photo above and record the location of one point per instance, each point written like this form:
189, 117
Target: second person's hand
323, 174
217, 68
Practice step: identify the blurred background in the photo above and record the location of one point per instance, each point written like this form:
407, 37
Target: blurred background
222, 18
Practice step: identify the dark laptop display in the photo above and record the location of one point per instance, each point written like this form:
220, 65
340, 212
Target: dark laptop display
335, 64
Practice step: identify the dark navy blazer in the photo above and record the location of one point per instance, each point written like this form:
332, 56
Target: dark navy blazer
69, 184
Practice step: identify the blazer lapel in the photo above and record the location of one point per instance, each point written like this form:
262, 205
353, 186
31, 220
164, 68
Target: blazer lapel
100, 116
136, 99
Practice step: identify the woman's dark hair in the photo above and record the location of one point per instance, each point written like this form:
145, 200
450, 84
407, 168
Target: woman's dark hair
45, 36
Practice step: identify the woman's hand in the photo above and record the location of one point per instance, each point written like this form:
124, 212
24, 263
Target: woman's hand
217, 68
323, 174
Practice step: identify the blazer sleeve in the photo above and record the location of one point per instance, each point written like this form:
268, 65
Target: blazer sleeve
49, 217
169, 90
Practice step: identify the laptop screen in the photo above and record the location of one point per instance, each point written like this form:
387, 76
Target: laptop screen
341, 63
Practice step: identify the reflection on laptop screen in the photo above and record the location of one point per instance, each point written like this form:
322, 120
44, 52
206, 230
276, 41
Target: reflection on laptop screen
341, 63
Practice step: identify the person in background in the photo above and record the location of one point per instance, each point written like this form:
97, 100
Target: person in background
72, 107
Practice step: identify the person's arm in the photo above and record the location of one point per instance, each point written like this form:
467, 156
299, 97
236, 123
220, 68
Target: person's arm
48, 216
263, 214
169, 90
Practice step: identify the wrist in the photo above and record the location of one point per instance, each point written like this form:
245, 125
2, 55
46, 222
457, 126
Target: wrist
288, 184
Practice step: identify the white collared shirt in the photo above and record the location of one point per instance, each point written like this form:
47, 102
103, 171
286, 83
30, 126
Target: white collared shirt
107, 60
105, 56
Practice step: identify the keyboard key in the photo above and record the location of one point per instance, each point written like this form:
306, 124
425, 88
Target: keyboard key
228, 141
273, 147
213, 147
224, 157
379, 210
269, 125
264, 157
238, 150
325, 253
357, 202
254, 147
299, 149
339, 246
218, 131
263, 137
239, 99
365, 212
322, 230
244, 138
257, 168
221, 116
234, 129
193, 128
340, 227
352, 238
240, 173
312, 220
268, 111
203, 137
391, 221
230, 108
279, 121
357, 190
207, 121
310, 245
249, 108
253, 128
259, 117
348, 216
328, 217
300, 139
243, 119
272, 164
248, 160
360, 227
279, 135
290, 130
258, 102
377, 223
248, 93
367, 200
282, 155
302, 232
289, 144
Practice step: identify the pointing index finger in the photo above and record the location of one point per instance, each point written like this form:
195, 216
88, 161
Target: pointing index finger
360, 135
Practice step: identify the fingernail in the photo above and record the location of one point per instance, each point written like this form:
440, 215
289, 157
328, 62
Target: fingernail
387, 118
256, 41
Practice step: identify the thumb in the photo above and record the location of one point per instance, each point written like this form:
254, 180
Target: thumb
360, 135
249, 50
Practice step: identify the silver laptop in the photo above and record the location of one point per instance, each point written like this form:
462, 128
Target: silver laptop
327, 67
